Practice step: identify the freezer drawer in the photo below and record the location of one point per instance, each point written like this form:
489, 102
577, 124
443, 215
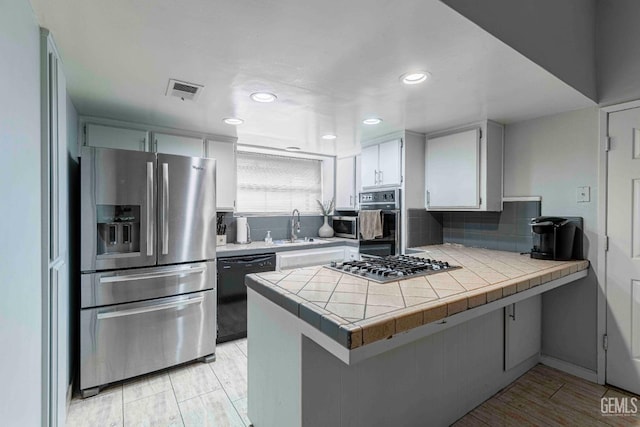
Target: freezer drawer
127, 340
116, 287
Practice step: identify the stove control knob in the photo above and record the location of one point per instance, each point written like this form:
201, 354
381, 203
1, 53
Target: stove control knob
334, 264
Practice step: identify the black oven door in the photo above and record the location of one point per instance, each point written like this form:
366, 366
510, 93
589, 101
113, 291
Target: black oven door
377, 248
389, 243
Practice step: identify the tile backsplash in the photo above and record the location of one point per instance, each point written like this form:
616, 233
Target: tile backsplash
508, 230
424, 228
280, 226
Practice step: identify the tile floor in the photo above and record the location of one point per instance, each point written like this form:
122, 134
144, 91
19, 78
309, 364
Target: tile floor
197, 394
215, 394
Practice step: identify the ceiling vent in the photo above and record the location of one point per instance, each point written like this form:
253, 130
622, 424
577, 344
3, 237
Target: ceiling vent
183, 90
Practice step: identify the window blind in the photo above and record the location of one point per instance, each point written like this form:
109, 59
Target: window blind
277, 184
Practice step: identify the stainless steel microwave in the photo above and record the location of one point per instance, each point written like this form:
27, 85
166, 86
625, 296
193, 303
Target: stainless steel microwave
346, 226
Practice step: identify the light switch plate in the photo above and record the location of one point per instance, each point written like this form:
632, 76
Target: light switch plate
583, 194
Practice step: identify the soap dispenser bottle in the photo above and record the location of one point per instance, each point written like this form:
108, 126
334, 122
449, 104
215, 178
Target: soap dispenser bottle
267, 239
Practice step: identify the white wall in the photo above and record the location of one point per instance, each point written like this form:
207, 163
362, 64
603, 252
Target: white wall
618, 50
557, 35
550, 157
20, 253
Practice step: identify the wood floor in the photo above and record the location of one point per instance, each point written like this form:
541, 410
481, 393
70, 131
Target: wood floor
547, 397
215, 394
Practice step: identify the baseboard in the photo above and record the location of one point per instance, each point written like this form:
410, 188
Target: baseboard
570, 368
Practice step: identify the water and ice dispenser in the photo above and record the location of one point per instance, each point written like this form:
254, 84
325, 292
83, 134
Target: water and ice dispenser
118, 228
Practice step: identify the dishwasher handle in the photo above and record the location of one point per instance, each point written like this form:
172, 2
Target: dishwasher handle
248, 261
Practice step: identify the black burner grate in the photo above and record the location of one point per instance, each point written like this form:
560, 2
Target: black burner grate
392, 268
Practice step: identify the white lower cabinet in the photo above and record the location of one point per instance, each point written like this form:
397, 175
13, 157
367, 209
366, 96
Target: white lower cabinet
522, 331
319, 256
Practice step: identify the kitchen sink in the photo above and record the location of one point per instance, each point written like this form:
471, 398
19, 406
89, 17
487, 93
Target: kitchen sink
297, 241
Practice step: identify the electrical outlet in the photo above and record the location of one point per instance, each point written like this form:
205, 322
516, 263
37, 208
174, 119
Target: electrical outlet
583, 194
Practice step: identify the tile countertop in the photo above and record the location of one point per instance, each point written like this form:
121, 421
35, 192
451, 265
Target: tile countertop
260, 247
356, 312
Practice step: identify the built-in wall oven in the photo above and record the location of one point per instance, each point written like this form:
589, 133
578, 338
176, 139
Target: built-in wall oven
387, 202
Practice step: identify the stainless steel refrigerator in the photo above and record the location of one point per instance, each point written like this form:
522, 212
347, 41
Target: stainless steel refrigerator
147, 262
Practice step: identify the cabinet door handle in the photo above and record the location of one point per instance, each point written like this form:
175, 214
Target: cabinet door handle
428, 198
381, 178
350, 201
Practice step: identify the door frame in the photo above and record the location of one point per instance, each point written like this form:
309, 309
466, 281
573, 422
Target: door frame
601, 271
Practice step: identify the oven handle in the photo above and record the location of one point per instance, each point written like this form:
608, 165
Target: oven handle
143, 310
145, 276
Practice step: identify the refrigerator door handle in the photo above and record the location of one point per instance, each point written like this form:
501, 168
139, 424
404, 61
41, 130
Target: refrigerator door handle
165, 208
145, 276
150, 216
142, 310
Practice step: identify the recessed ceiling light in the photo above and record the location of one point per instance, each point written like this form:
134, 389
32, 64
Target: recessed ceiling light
372, 121
292, 149
329, 136
263, 97
414, 77
233, 121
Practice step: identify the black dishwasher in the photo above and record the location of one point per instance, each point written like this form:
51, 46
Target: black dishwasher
232, 292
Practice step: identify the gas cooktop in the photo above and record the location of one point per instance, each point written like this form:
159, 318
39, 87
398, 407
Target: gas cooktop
391, 268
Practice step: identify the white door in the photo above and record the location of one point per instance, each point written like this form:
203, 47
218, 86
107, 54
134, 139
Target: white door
179, 145
345, 183
369, 163
623, 257
389, 162
114, 137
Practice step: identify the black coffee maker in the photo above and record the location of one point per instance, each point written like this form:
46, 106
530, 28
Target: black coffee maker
555, 238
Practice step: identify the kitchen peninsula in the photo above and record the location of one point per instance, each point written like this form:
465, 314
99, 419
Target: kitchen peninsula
329, 348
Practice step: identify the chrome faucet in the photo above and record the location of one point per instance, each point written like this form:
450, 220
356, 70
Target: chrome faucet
295, 225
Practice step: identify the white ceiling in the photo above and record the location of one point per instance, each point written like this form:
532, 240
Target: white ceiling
331, 63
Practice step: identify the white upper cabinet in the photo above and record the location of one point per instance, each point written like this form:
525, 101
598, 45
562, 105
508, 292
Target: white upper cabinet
176, 144
225, 155
381, 164
116, 137
389, 163
453, 167
346, 183
369, 161
463, 168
